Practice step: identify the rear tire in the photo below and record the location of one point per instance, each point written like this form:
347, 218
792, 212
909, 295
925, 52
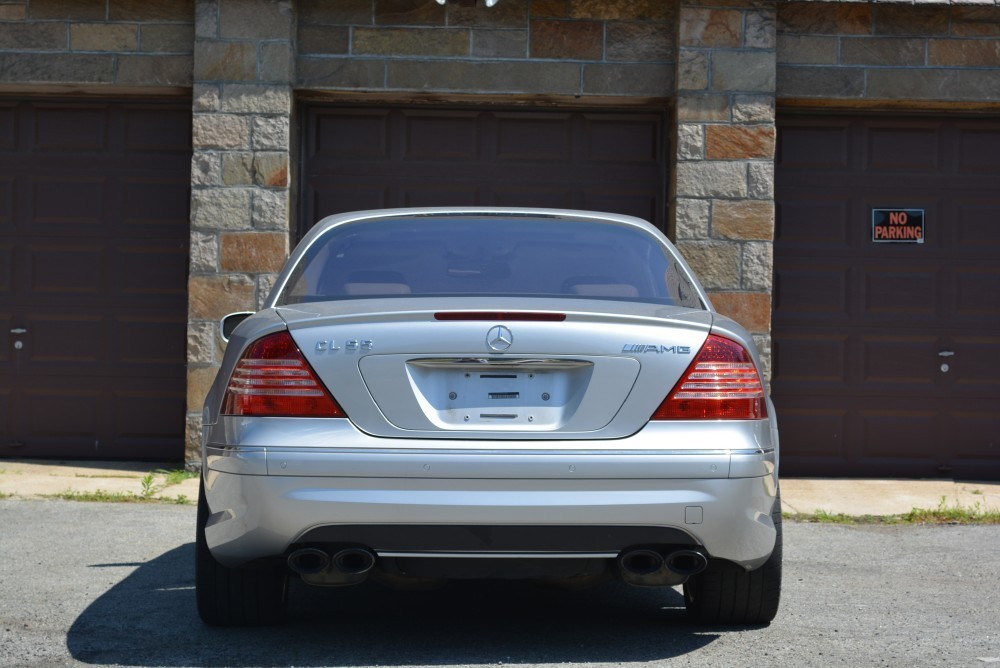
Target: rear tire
725, 593
252, 595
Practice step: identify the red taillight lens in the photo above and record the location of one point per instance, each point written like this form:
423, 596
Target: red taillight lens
273, 379
721, 383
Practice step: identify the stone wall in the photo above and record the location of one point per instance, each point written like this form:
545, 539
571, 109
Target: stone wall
889, 52
240, 221
722, 187
544, 47
120, 42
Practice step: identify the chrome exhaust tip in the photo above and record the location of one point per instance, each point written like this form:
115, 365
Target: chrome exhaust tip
308, 561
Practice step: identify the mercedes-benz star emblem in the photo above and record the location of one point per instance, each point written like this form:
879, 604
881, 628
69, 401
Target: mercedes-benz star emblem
499, 338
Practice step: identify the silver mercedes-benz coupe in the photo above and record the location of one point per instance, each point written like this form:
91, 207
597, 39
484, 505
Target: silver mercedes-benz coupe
431, 394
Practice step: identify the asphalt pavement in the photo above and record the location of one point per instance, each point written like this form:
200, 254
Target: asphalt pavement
30, 479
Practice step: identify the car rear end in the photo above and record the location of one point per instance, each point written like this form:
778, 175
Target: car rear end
416, 433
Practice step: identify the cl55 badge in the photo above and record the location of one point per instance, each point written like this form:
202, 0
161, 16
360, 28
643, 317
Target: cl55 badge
659, 350
354, 344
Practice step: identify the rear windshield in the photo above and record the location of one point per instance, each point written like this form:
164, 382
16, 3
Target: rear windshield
488, 256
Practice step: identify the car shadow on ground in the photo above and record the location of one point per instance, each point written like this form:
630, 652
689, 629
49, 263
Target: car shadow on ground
149, 619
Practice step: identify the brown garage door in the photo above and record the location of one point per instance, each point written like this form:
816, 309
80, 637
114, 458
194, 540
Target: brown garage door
374, 158
94, 201
887, 353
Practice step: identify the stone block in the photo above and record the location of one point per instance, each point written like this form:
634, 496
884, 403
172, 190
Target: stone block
225, 61
155, 70
277, 63
622, 10
270, 169
750, 309
975, 21
823, 18
270, 209
341, 12
691, 218
738, 142
744, 71
628, 79
550, 9
324, 39
206, 20
910, 84
567, 40
882, 52
238, 98
758, 266
206, 169
340, 73
22, 68
909, 20
706, 108
760, 179
67, 10
825, 82
716, 263
753, 108
488, 43
237, 168
33, 36
554, 78
978, 85
439, 42
269, 133
964, 53
265, 284
256, 20
640, 42
760, 29
212, 297
151, 10
192, 439
221, 131
253, 252
512, 15
204, 253
409, 13
704, 179
207, 97
711, 28
690, 141
221, 208
199, 382
169, 38
15, 12
743, 219
104, 37
692, 69
201, 343
798, 50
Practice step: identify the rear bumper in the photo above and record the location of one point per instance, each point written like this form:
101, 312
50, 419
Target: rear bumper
257, 516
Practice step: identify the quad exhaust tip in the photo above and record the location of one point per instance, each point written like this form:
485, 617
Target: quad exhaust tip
345, 567
648, 568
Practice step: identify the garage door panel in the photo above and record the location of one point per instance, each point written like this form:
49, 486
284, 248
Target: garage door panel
8, 127
152, 130
819, 223
150, 204
57, 413
820, 435
447, 193
538, 138
63, 345
556, 196
910, 410
131, 344
622, 141
825, 147
812, 362
68, 205
903, 149
351, 194
64, 270
149, 273
140, 415
640, 205
6, 200
6, 270
346, 135
70, 129
450, 139
978, 149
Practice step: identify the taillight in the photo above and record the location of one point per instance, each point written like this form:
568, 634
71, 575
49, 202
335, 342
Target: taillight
273, 379
721, 383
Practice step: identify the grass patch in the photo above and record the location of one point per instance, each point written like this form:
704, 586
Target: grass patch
102, 496
176, 476
942, 514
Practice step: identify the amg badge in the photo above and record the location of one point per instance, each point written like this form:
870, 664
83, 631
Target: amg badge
648, 348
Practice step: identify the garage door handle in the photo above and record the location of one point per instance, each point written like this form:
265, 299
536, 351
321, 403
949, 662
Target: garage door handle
19, 330
946, 353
